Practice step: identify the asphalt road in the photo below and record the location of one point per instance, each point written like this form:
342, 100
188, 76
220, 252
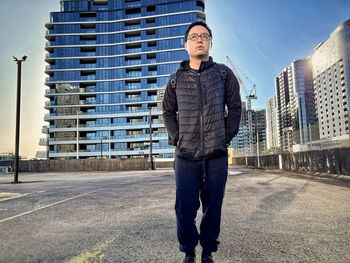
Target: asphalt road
129, 217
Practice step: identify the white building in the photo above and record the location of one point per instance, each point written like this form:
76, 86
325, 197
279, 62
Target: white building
331, 79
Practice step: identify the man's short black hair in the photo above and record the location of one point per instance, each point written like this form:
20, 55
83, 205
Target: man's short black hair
197, 23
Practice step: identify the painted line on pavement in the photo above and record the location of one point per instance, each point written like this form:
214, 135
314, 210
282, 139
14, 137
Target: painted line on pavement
45, 206
4, 196
96, 254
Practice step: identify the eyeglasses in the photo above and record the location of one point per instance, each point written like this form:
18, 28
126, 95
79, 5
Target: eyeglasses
195, 37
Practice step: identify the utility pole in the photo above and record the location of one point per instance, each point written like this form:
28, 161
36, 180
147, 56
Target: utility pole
150, 139
18, 115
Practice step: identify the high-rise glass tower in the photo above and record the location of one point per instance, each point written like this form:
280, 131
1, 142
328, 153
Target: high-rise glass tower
295, 104
108, 64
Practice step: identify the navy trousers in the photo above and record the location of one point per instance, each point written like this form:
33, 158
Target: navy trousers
197, 181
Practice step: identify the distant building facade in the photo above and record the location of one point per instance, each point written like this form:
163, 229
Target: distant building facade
295, 104
331, 81
240, 143
272, 139
312, 97
259, 120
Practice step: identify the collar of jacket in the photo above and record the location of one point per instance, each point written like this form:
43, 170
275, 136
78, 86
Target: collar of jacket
185, 65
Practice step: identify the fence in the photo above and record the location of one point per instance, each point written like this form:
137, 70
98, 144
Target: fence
333, 161
79, 165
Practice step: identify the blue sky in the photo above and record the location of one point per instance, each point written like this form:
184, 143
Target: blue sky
260, 36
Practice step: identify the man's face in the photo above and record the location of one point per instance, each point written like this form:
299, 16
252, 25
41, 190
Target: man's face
198, 46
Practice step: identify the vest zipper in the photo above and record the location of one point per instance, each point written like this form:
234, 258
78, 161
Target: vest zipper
201, 115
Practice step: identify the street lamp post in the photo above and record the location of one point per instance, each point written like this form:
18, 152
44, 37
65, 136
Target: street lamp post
18, 115
101, 149
109, 141
48, 144
150, 139
77, 142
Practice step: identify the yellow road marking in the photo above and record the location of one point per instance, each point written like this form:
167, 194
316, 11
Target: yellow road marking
45, 206
6, 196
95, 255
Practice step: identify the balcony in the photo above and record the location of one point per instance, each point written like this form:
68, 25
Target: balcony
50, 43
152, 98
129, 39
89, 77
153, 85
49, 103
151, 61
88, 54
134, 74
133, 50
132, 27
133, 99
133, 4
50, 91
92, 65
133, 15
41, 154
90, 89
152, 73
43, 142
90, 101
88, 30
88, 42
133, 86
133, 62
45, 130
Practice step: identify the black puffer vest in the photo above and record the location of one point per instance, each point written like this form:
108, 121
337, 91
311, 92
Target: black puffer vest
198, 97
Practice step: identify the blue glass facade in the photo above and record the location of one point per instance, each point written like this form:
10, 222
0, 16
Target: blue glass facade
108, 64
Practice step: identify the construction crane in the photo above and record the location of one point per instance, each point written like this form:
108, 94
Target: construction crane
250, 93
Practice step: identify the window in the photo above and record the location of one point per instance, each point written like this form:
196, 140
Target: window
152, 44
88, 49
151, 55
87, 37
88, 14
132, 22
200, 4
151, 8
151, 32
87, 26
87, 61
150, 20
132, 11
100, 2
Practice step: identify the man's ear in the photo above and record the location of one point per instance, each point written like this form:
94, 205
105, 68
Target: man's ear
185, 46
211, 44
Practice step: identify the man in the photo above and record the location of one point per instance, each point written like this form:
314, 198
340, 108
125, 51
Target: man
194, 116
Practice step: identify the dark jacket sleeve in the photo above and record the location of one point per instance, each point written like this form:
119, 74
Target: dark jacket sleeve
170, 114
234, 105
